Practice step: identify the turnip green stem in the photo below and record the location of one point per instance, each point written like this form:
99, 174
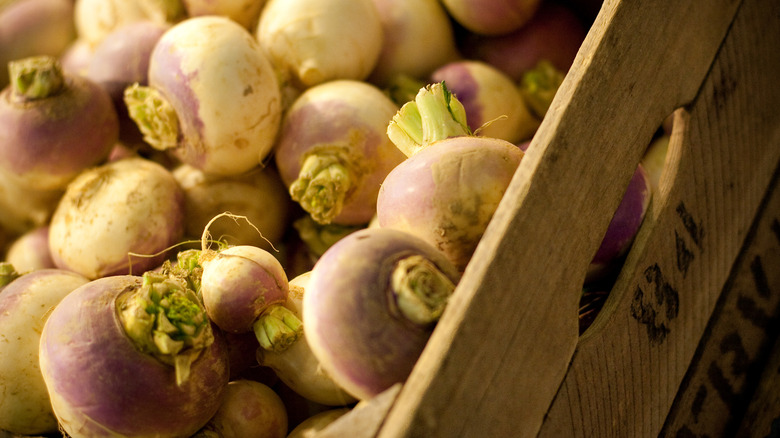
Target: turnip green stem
277, 328
36, 77
154, 116
403, 88
165, 319
433, 115
539, 85
421, 289
322, 185
319, 237
7, 273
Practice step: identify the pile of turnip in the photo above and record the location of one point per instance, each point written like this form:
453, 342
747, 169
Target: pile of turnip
245, 218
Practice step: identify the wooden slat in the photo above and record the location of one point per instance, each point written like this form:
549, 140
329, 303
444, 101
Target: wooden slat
503, 346
724, 148
723, 375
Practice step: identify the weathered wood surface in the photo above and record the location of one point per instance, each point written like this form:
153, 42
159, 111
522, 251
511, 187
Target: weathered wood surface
725, 371
724, 149
506, 359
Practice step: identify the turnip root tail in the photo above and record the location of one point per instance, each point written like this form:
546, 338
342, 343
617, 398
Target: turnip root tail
422, 290
154, 116
165, 319
433, 115
539, 85
322, 185
36, 77
278, 328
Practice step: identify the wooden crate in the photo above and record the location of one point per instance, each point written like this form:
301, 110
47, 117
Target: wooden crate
506, 359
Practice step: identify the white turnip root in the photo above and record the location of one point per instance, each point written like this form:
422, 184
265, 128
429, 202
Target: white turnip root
133, 356
555, 34
244, 12
297, 366
259, 196
25, 209
654, 160
120, 60
213, 99
314, 41
44, 115
24, 306
315, 423
95, 19
492, 17
333, 151
30, 251
448, 189
371, 304
34, 28
489, 97
250, 409
405, 23
111, 212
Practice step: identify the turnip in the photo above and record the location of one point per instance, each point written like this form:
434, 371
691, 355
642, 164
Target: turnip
249, 410
319, 237
213, 98
133, 356
333, 152
122, 59
95, 19
624, 225
242, 288
259, 195
314, 41
371, 304
405, 23
34, 28
654, 160
117, 218
555, 34
30, 251
492, 17
448, 189
489, 97
539, 85
44, 115
244, 12
315, 423
7, 274
24, 306
297, 366
23, 208
76, 58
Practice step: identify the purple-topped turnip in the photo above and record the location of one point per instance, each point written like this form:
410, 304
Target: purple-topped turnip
30, 251
333, 151
405, 23
34, 28
314, 41
44, 114
120, 60
554, 34
492, 17
24, 306
133, 356
250, 409
213, 98
448, 189
371, 304
493, 103
297, 366
117, 218
258, 195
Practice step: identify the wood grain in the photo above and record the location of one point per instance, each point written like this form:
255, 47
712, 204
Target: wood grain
724, 148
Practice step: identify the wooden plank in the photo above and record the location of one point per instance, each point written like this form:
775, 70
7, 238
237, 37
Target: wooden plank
724, 148
726, 368
503, 346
